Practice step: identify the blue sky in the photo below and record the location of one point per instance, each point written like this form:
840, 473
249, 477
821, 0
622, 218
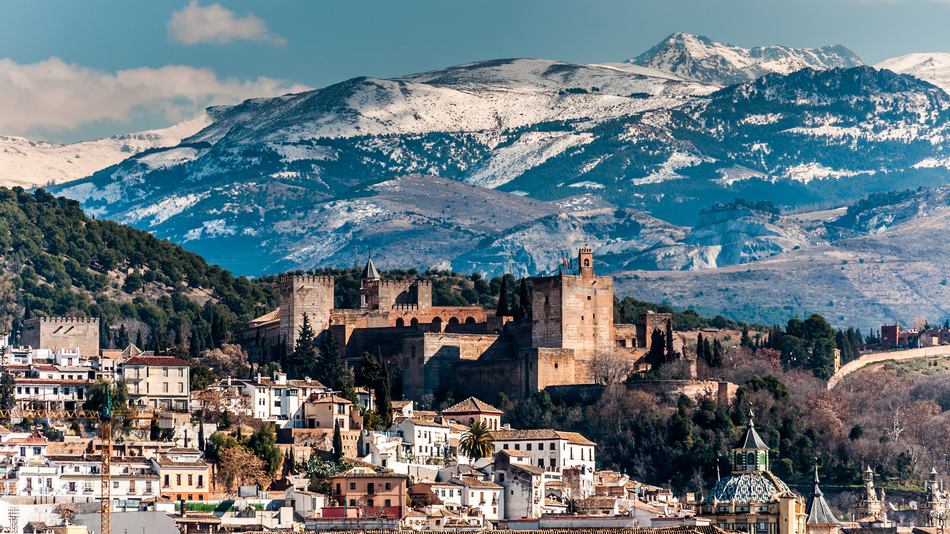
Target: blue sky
76, 70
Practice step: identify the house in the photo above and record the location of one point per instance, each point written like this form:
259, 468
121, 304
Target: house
551, 450
524, 486
367, 495
473, 410
425, 441
276, 399
157, 382
481, 497
184, 475
328, 412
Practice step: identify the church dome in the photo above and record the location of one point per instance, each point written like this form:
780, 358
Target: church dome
747, 488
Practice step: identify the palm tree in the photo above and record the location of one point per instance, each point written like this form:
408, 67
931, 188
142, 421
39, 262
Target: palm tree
477, 442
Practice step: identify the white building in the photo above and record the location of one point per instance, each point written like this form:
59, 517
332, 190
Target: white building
277, 400
77, 478
158, 382
482, 497
426, 441
552, 450
51, 393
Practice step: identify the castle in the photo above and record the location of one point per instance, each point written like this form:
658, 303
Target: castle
58, 333
453, 349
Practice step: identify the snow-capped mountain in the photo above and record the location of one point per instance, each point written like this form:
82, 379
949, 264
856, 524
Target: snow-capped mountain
933, 67
603, 151
30, 163
698, 58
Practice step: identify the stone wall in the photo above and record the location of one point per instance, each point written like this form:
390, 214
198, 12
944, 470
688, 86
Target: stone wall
550, 367
546, 312
63, 333
312, 295
431, 359
485, 379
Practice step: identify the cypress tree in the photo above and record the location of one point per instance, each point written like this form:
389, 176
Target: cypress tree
524, 299
700, 353
384, 400
670, 352
503, 307
717, 354
138, 339
304, 355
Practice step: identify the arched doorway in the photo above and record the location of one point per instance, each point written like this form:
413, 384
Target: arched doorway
469, 320
400, 323
413, 322
437, 324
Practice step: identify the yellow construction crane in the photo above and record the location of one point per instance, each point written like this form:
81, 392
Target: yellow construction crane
105, 419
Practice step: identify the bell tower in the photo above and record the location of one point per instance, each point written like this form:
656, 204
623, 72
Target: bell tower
585, 263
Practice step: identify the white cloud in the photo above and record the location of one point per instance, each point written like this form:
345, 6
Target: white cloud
217, 24
52, 95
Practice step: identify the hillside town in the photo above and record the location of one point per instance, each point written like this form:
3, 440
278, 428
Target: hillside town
122, 435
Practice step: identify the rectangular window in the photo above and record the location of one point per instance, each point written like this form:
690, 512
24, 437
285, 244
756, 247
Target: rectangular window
190, 481
165, 371
166, 480
389, 486
352, 486
178, 479
181, 387
201, 481
528, 447
164, 387
388, 502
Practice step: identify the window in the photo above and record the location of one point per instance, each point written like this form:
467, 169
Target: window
115, 484
164, 387
528, 447
370, 503
352, 502
389, 486
370, 488
388, 503
201, 481
148, 486
517, 446
178, 479
352, 485
181, 387
190, 481
166, 480
181, 372
132, 486
540, 462
505, 446
164, 371
552, 446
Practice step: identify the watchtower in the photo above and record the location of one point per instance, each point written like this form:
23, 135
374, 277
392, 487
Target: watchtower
310, 294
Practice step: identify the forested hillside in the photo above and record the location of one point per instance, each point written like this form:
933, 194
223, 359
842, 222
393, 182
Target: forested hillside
57, 261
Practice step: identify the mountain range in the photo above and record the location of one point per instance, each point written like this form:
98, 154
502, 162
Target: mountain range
508, 165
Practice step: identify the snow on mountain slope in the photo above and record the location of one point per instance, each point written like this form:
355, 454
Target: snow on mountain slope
933, 67
699, 58
491, 95
28, 163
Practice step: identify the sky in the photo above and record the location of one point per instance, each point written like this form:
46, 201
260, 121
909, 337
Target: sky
80, 70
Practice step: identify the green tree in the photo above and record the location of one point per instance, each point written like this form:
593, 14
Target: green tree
263, 443
524, 299
304, 355
504, 307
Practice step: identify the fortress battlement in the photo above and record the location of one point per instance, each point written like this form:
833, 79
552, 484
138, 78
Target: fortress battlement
308, 279
62, 320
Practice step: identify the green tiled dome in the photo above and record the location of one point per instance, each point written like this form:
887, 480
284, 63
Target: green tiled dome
747, 488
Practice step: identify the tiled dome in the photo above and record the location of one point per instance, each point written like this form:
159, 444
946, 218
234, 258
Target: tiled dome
747, 488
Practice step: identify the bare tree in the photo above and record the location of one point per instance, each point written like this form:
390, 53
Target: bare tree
610, 368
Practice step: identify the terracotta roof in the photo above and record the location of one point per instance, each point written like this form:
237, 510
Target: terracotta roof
533, 469
332, 399
471, 405
536, 434
424, 422
370, 475
478, 483
400, 403
169, 361
268, 317
41, 381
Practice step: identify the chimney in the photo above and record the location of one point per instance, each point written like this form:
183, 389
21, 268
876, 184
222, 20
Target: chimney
258, 378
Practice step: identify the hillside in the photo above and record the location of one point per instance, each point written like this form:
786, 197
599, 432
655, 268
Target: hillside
57, 261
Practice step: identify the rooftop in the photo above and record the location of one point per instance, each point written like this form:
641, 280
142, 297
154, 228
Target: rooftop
536, 434
168, 361
471, 405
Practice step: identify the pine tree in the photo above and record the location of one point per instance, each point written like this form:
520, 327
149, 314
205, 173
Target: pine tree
337, 442
304, 356
503, 307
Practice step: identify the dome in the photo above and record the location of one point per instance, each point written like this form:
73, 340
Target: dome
747, 488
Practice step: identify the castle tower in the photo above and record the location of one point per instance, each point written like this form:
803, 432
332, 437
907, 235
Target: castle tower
369, 286
62, 333
574, 311
309, 294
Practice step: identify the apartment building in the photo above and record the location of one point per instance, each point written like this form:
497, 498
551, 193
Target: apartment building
158, 382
